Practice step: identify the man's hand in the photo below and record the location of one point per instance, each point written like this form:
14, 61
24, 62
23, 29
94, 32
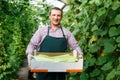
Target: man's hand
75, 54
80, 56
29, 57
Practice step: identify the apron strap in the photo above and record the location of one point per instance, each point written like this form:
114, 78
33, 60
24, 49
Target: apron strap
60, 28
62, 32
48, 30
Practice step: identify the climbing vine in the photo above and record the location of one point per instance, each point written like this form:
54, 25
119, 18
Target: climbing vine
94, 23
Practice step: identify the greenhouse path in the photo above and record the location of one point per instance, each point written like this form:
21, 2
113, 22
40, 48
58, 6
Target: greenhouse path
23, 71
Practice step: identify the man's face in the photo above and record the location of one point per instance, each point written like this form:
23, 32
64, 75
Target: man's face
55, 17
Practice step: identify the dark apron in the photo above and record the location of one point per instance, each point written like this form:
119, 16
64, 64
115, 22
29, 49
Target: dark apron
52, 44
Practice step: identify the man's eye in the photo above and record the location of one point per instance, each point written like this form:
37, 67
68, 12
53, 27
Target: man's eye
58, 15
53, 15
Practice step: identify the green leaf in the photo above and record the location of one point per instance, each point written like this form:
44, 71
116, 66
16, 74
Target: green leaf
101, 11
101, 60
84, 76
116, 5
95, 27
119, 59
111, 75
76, 30
117, 19
119, 45
95, 73
73, 74
109, 47
91, 61
83, 1
97, 2
93, 48
107, 66
100, 77
107, 3
70, 1
118, 39
100, 32
118, 67
113, 31
118, 73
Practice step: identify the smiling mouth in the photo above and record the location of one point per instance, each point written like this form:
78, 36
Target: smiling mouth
56, 21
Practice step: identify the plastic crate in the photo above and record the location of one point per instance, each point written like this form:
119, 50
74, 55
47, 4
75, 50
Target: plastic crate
37, 66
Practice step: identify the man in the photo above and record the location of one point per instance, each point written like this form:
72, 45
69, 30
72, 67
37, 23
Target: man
53, 38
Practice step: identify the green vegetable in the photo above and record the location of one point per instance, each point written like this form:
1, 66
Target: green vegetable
58, 58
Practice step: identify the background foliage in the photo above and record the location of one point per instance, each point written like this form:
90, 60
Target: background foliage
95, 24
17, 23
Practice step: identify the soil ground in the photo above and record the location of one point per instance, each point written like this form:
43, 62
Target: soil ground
23, 73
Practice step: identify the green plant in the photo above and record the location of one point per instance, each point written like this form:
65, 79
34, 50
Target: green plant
17, 24
95, 23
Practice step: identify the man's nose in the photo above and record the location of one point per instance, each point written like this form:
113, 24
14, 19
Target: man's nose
56, 17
